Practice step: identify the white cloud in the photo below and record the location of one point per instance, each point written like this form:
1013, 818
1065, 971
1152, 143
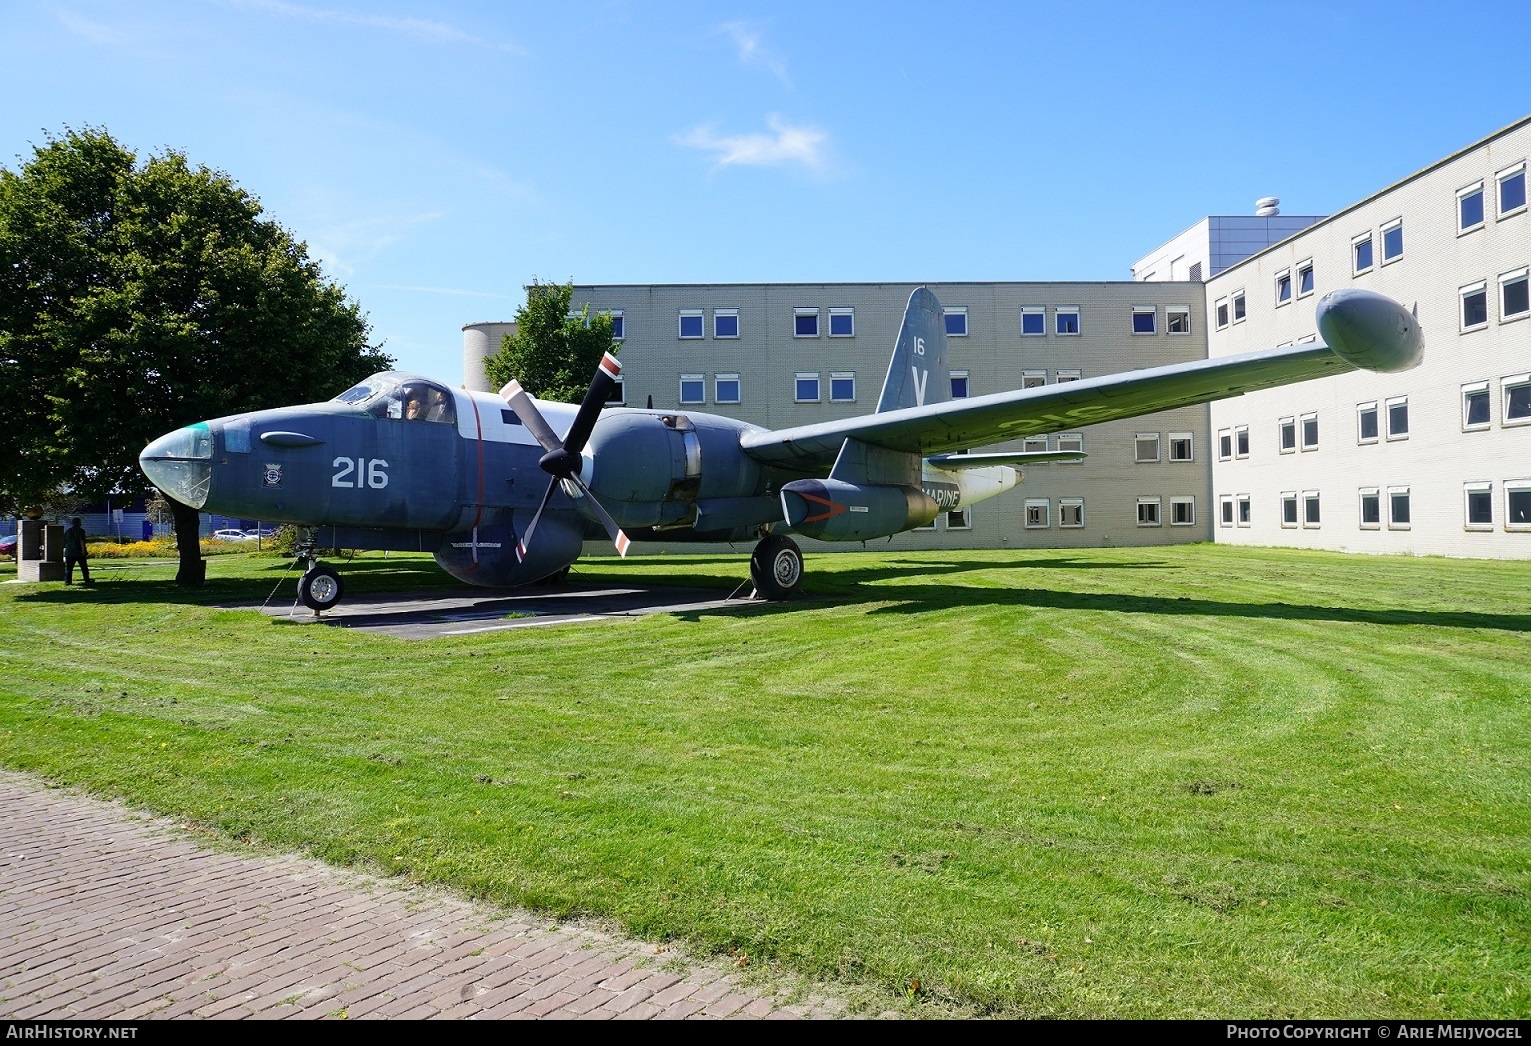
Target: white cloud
340, 246
454, 291
786, 144
95, 32
747, 40
419, 28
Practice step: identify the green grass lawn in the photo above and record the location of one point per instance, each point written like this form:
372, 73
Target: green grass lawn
1188, 781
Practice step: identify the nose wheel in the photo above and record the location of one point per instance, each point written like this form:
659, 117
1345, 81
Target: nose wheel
776, 567
320, 588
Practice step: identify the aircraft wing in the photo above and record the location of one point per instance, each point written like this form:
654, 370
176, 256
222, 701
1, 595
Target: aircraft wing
1373, 331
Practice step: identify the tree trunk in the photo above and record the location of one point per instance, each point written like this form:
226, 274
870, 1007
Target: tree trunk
188, 542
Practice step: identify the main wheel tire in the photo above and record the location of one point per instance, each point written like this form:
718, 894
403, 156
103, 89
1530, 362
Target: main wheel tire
320, 588
776, 567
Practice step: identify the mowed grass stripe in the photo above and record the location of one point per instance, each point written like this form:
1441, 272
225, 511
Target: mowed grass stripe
1175, 781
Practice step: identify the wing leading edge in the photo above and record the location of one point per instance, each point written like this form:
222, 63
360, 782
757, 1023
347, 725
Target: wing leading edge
1361, 329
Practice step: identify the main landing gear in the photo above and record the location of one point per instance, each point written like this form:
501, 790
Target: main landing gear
776, 567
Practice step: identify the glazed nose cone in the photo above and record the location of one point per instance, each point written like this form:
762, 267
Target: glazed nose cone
180, 464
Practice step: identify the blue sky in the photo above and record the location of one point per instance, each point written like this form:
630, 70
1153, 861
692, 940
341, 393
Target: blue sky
437, 156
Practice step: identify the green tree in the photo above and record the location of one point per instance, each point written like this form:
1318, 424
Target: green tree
554, 352
137, 297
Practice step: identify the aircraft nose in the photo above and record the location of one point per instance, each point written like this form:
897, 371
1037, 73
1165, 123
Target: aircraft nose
1370, 330
180, 463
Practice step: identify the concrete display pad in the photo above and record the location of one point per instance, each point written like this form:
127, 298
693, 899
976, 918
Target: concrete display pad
465, 611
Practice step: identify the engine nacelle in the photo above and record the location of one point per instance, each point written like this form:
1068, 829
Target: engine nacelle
833, 510
651, 468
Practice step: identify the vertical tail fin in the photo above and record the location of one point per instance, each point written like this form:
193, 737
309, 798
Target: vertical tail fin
919, 372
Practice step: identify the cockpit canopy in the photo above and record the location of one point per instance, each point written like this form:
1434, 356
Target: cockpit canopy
401, 397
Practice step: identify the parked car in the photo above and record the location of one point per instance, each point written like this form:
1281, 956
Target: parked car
231, 535
259, 532
8, 546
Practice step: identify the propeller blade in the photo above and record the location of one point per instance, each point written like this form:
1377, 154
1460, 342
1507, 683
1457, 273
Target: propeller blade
618, 538
595, 398
526, 409
525, 541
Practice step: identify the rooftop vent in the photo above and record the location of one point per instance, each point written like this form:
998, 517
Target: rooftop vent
1267, 207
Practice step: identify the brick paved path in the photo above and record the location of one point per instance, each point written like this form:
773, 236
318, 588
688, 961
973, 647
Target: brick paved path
109, 914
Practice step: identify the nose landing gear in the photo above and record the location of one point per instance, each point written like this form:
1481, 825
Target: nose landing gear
320, 587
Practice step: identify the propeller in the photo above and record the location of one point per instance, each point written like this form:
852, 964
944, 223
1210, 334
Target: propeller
562, 459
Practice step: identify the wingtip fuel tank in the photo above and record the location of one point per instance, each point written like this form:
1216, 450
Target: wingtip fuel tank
1370, 330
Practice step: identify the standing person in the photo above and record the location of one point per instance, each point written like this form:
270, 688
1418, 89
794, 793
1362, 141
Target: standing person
75, 552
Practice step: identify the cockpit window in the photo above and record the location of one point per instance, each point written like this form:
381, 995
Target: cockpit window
402, 398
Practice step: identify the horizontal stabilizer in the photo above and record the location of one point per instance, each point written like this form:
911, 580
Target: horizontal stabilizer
951, 462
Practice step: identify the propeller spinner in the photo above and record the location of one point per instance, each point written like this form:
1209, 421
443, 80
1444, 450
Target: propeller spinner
562, 459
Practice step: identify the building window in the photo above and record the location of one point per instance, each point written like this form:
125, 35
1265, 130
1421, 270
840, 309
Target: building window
1366, 422
1287, 441
1177, 319
1310, 514
1035, 445
959, 384
690, 323
1072, 442
1470, 208
1283, 287
725, 323
1361, 254
1066, 320
1143, 319
1147, 447
842, 323
842, 387
618, 327
1392, 241
1221, 313
617, 395
1514, 303
1038, 513
693, 388
805, 323
1241, 441
1517, 399
1517, 506
1304, 279
1478, 505
1224, 444
1474, 305
959, 519
1225, 511
1243, 504
1289, 508
1071, 512
1180, 446
1398, 508
725, 388
1183, 512
1066, 375
1398, 417
1309, 431
1031, 379
806, 388
1238, 307
1512, 190
1371, 508
1033, 321
956, 320
1148, 512
1475, 406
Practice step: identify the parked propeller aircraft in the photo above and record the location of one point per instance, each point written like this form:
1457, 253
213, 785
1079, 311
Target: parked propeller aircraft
505, 489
